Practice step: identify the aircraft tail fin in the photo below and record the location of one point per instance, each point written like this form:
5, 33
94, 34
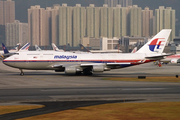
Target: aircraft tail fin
157, 43
16, 48
5, 49
38, 48
55, 48
25, 47
83, 48
134, 50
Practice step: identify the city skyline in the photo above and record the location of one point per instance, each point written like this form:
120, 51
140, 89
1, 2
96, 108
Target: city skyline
76, 22
23, 5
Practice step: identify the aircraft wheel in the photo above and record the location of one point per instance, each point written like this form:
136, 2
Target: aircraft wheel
78, 73
22, 74
86, 72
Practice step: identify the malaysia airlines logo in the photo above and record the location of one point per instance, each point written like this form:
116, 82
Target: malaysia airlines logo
155, 44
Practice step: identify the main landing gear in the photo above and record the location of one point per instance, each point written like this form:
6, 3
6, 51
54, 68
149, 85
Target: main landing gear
22, 73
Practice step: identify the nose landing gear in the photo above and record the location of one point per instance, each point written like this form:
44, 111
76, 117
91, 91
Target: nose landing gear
22, 73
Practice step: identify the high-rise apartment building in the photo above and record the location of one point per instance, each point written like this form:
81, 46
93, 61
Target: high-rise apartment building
37, 26
7, 12
147, 22
106, 21
48, 25
114, 3
55, 24
120, 21
92, 25
16, 33
165, 19
125, 3
111, 3
79, 24
135, 21
65, 25
1, 12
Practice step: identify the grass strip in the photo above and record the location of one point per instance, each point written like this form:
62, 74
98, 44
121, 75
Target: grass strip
17, 108
118, 111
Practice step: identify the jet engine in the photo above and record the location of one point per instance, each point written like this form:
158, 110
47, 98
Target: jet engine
175, 61
98, 68
70, 70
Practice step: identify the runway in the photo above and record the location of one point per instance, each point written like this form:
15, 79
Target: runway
48, 85
55, 88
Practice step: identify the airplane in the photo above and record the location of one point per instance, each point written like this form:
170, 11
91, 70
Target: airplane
173, 59
7, 53
88, 63
38, 48
134, 50
55, 48
14, 49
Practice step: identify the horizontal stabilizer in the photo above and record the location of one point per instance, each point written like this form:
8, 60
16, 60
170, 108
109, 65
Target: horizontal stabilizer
158, 57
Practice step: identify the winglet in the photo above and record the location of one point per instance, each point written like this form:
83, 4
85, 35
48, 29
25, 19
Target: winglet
157, 43
5, 49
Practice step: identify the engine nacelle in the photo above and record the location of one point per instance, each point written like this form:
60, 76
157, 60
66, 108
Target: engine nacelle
98, 68
70, 70
175, 61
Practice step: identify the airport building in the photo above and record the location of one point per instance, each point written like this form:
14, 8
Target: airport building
109, 43
165, 19
16, 33
93, 43
7, 12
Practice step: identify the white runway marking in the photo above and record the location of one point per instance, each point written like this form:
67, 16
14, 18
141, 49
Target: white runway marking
130, 89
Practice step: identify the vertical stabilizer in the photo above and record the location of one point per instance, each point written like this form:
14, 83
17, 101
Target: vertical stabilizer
157, 43
5, 49
38, 48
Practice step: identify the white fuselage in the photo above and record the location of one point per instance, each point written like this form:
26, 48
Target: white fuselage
45, 60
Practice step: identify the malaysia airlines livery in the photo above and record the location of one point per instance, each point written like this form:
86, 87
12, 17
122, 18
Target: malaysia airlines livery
88, 63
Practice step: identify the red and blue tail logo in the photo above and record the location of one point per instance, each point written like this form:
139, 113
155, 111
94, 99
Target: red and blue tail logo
154, 43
